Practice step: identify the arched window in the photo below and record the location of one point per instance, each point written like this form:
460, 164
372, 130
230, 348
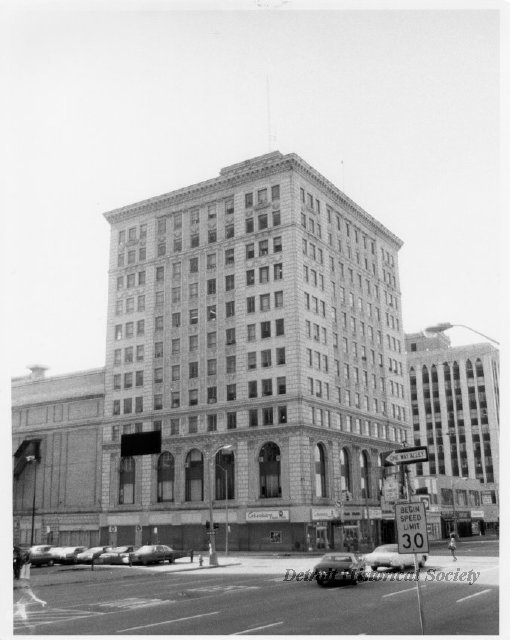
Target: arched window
320, 471
479, 369
127, 481
225, 475
425, 374
469, 369
380, 461
269, 471
166, 477
433, 371
194, 476
364, 473
345, 471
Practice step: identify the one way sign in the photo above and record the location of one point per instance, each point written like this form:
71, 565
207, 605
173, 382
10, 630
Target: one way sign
407, 456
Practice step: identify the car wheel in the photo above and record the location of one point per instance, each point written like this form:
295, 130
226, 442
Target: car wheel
374, 567
322, 582
51, 563
401, 568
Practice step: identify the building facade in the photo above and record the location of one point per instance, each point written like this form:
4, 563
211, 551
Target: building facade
254, 319
57, 441
455, 411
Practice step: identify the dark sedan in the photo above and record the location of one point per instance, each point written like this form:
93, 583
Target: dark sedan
339, 567
41, 554
151, 553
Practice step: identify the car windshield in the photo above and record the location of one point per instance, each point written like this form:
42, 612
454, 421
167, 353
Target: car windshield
145, 548
118, 550
94, 549
387, 548
337, 558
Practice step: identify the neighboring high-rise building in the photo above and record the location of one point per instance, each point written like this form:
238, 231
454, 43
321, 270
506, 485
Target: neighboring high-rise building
455, 413
255, 320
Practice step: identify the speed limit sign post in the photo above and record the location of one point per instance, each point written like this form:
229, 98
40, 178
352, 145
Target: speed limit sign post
411, 528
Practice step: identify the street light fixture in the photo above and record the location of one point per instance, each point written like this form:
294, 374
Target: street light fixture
213, 556
444, 326
225, 471
33, 460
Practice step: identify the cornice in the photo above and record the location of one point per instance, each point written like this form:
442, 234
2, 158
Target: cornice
253, 169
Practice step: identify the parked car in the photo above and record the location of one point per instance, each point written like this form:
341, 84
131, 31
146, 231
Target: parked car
88, 555
149, 553
41, 554
66, 555
387, 555
117, 555
339, 567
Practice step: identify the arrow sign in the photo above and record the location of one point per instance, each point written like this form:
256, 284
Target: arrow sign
408, 456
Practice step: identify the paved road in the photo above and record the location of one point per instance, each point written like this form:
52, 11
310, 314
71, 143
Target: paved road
251, 597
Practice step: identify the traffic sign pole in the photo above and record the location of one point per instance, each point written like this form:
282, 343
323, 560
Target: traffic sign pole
416, 564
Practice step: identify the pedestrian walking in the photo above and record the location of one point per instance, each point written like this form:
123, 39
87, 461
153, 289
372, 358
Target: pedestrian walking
452, 546
22, 591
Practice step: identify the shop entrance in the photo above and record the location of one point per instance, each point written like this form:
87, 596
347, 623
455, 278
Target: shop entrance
322, 541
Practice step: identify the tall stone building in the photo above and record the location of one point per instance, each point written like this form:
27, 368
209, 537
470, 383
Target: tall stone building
255, 320
455, 412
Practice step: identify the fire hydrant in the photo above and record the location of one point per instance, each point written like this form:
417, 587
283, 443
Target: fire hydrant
200, 560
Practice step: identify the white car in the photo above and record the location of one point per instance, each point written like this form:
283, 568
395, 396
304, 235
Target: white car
387, 555
66, 555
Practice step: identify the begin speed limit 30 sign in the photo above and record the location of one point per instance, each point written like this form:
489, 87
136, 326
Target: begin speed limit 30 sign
411, 527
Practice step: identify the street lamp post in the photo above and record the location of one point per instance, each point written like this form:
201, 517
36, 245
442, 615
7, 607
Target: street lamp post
225, 471
33, 460
213, 555
444, 326
453, 484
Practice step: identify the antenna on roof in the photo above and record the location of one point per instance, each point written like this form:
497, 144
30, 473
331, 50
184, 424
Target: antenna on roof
271, 138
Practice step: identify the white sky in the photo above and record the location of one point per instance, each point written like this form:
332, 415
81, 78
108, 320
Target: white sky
110, 107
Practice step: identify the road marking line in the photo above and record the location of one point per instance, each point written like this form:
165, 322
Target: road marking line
473, 595
155, 624
396, 593
239, 633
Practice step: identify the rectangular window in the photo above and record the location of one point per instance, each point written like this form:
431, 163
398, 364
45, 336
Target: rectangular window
193, 290
176, 319
193, 265
280, 355
278, 271
211, 261
211, 340
230, 336
229, 282
277, 218
128, 405
212, 395
250, 304
174, 426
116, 381
229, 231
212, 236
281, 385
278, 299
193, 316
267, 387
231, 364
263, 248
211, 286
275, 192
193, 397
229, 256
265, 329
251, 332
282, 414
139, 404
230, 309
231, 392
128, 355
262, 221
158, 375
267, 415
263, 275
140, 327
252, 360
211, 367
140, 352
250, 277
252, 388
194, 240
128, 380
193, 370
212, 422
249, 225
231, 420
175, 399
265, 302
280, 327
248, 200
277, 244
253, 418
211, 312
265, 358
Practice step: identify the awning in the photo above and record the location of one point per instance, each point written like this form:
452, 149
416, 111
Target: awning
26, 449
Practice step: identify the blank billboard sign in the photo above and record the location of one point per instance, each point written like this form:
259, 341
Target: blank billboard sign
140, 444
